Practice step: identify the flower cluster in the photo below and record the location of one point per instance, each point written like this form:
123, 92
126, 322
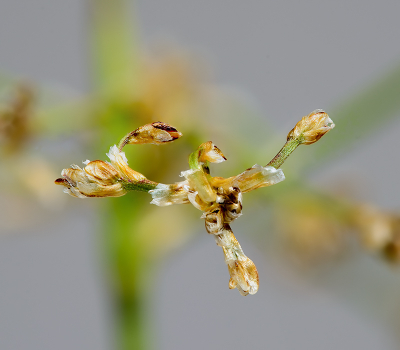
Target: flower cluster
220, 199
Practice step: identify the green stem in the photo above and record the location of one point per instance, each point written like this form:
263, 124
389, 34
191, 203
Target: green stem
284, 153
141, 186
129, 271
132, 323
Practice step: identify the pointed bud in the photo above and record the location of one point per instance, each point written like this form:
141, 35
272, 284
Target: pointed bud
156, 133
311, 128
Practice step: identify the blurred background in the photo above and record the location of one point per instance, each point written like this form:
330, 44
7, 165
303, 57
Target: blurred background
117, 273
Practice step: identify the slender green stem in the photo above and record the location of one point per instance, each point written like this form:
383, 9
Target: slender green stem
284, 153
142, 186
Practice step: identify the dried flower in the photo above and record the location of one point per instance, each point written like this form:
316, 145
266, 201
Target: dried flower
97, 179
311, 127
102, 179
380, 231
243, 272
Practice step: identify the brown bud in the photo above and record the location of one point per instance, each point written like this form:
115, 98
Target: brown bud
155, 133
311, 128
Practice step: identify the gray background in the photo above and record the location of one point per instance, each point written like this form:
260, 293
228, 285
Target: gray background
288, 58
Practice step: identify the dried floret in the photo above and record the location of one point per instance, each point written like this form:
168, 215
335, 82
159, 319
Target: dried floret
97, 179
311, 127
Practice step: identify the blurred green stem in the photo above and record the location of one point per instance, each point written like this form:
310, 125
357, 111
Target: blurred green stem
132, 322
113, 48
115, 77
129, 271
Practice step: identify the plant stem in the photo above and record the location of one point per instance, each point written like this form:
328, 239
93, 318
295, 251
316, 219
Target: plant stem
284, 153
128, 267
131, 327
142, 186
